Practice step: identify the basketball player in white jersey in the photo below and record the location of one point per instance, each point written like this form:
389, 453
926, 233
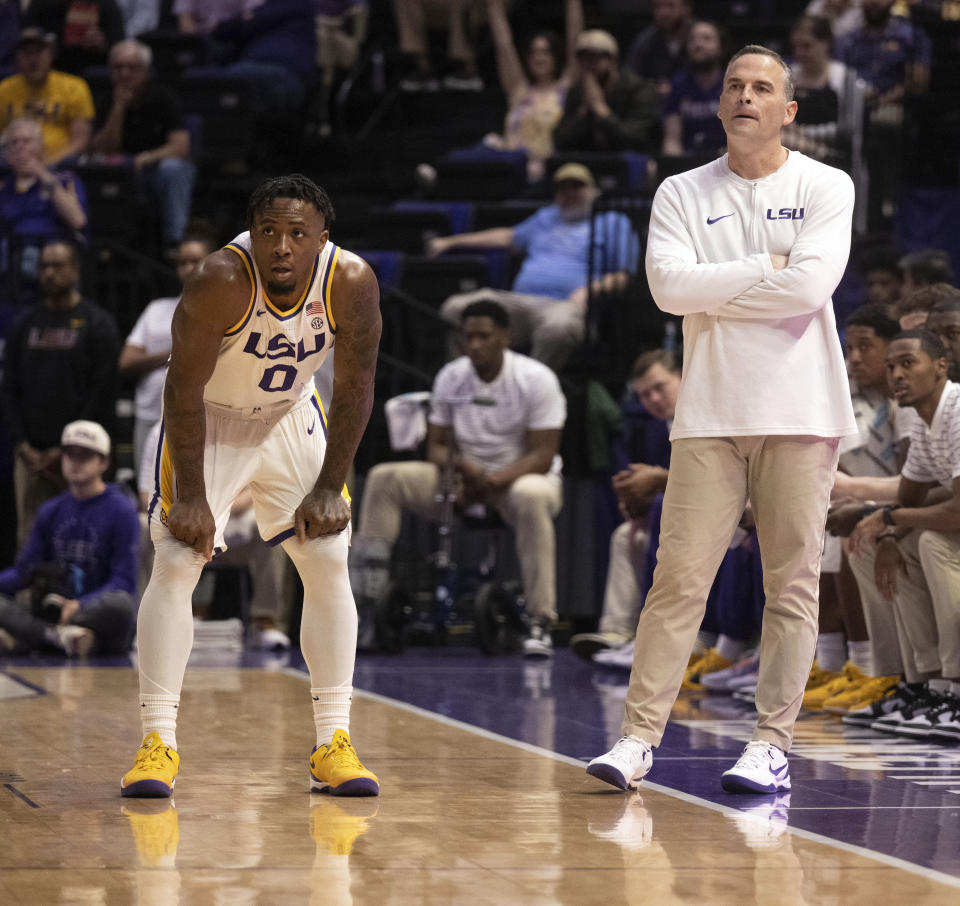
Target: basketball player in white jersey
240, 408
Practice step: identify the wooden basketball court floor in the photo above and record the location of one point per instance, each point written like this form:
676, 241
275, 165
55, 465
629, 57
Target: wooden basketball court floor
484, 797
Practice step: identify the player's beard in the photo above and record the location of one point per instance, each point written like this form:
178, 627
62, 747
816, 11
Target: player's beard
278, 288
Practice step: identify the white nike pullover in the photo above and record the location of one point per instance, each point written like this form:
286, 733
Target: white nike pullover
761, 353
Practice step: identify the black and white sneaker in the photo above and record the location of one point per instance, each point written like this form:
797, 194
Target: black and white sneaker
925, 719
947, 726
895, 699
893, 720
539, 642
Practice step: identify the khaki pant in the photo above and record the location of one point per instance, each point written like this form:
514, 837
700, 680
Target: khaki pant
926, 606
621, 598
788, 481
529, 506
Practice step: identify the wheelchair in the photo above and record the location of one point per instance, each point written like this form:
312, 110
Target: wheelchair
443, 601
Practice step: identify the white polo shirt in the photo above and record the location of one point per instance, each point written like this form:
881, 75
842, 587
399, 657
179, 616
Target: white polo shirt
935, 448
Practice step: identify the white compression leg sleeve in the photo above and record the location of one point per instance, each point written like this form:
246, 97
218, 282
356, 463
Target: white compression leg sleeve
328, 629
165, 621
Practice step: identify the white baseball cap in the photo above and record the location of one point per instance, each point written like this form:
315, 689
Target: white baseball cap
88, 435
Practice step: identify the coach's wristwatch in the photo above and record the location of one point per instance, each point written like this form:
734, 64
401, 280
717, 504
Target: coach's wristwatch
888, 513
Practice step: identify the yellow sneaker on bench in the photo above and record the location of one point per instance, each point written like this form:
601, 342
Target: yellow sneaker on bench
336, 769
154, 770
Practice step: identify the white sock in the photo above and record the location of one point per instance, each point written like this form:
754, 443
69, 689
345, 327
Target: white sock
831, 651
728, 648
331, 711
939, 685
158, 714
860, 654
704, 641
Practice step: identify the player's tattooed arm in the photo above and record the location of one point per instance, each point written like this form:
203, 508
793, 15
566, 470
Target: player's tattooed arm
356, 309
213, 300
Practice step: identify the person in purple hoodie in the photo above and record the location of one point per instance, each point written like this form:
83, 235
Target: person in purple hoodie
77, 573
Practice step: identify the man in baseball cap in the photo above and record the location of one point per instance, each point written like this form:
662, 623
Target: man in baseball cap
86, 435
607, 108
85, 545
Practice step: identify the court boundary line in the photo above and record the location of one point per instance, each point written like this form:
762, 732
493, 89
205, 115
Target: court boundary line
892, 861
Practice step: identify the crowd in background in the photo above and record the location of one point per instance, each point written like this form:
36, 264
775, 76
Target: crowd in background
81, 93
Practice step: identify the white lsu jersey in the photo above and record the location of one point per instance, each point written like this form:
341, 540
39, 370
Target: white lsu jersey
270, 355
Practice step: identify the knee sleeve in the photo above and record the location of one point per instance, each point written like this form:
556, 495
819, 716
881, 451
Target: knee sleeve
328, 630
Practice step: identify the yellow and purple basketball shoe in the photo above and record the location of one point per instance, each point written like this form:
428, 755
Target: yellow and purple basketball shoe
154, 770
336, 769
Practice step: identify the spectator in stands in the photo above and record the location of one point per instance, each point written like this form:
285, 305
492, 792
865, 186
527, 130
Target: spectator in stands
61, 102
499, 415
844, 16
9, 31
341, 31
85, 30
271, 45
36, 205
145, 121
535, 85
882, 279
731, 616
924, 268
892, 56
139, 16
914, 308
944, 320
80, 563
829, 97
547, 302
413, 18
608, 108
907, 554
659, 51
201, 17
60, 365
690, 123
147, 349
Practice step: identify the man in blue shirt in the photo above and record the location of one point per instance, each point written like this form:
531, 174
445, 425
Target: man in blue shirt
79, 565
548, 300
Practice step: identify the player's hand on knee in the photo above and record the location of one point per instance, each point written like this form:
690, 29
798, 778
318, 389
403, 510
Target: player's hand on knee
322, 512
192, 523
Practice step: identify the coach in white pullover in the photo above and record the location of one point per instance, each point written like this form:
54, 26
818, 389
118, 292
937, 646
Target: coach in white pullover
748, 249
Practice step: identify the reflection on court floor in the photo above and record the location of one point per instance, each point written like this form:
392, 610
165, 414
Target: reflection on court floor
484, 798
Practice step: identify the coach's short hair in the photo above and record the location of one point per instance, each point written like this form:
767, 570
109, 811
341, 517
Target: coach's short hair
646, 360
293, 185
788, 85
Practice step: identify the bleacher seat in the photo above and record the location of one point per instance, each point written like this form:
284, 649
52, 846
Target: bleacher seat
404, 230
481, 174
228, 121
431, 280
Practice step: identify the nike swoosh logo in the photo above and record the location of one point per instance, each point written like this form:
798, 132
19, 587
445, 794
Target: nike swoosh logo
712, 220
310, 429
261, 312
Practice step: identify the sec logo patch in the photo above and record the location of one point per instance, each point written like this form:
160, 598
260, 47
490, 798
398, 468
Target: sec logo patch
316, 323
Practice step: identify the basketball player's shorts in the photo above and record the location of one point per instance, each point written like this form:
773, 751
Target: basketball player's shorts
278, 452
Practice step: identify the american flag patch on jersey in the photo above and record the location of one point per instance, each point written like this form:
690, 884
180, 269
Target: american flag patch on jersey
315, 308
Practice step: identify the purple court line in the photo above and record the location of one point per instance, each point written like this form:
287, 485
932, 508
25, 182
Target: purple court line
19, 679
17, 792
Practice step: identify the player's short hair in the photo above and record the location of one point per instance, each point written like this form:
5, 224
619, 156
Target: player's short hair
293, 185
646, 360
788, 86
930, 343
487, 308
926, 297
875, 316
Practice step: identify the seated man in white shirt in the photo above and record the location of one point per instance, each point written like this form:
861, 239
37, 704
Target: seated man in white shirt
500, 415
907, 554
